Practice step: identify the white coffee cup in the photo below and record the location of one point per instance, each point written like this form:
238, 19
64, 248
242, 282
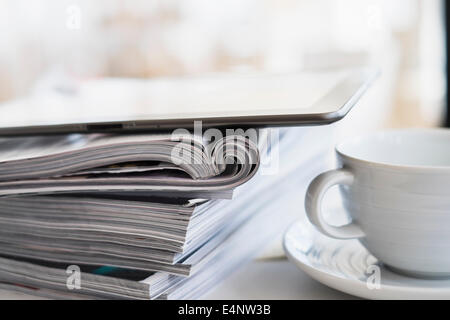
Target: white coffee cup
395, 185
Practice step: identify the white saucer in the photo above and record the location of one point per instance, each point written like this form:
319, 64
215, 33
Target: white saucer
347, 266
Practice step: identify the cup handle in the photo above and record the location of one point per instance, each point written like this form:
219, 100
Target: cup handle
313, 204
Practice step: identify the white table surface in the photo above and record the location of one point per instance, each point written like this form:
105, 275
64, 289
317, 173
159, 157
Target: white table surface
259, 279
273, 279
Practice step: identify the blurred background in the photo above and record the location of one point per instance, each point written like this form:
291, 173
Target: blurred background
43, 43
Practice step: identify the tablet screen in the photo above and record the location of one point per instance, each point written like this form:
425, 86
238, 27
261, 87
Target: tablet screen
215, 96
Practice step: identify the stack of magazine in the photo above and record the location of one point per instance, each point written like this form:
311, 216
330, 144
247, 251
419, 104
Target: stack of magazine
145, 216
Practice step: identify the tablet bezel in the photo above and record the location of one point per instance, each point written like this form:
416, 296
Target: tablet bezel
341, 98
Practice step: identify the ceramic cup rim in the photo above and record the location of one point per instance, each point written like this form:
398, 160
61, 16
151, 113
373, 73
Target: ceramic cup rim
386, 165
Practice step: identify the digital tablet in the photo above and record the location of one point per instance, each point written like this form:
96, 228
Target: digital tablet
129, 105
